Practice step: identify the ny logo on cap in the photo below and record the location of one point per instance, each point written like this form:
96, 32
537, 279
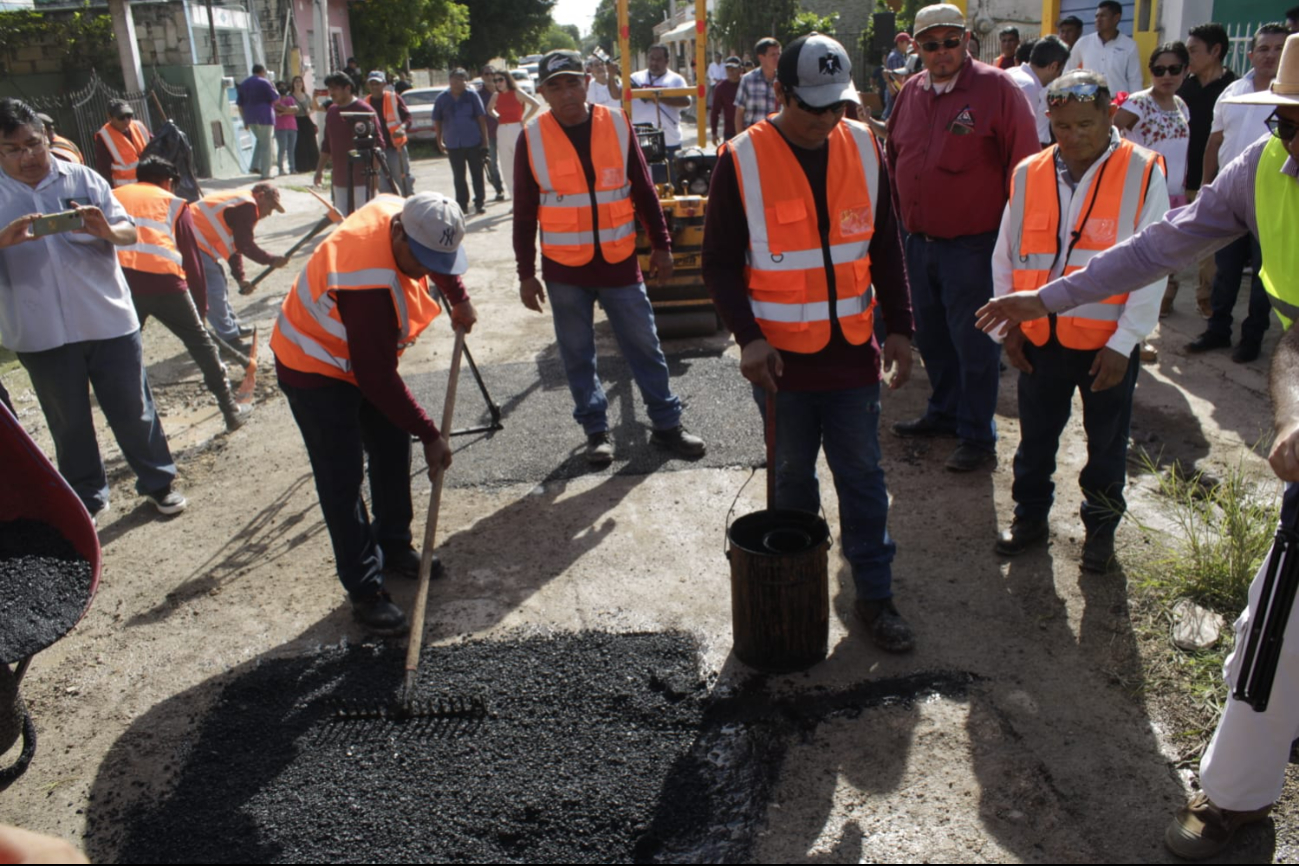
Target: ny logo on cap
830, 64
448, 236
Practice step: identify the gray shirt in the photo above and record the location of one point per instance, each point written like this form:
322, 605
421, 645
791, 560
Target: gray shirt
1222, 212
67, 287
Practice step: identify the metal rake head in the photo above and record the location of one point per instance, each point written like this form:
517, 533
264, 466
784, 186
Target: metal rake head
440, 707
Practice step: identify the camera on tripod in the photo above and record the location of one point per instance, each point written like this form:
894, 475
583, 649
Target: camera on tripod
365, 130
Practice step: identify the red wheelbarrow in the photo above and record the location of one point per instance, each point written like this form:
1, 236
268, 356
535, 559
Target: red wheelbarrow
32, 489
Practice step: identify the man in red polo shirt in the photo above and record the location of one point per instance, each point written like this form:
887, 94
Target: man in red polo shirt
956, 133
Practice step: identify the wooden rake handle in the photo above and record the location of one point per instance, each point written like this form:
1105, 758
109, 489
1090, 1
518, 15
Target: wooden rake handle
431, 525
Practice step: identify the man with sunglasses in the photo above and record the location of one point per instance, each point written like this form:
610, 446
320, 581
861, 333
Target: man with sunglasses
1243, 770
812, 189
1092, 190
957, 131
1235, 126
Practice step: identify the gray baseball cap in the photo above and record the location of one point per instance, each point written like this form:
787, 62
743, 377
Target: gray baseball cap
435, 228
817, 70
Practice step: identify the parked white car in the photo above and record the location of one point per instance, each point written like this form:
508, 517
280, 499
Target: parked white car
420, 102
524, 81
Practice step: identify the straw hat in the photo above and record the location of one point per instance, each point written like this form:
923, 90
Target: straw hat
1285, 87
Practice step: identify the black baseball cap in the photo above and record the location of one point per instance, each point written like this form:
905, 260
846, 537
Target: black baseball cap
817, 70
559, 63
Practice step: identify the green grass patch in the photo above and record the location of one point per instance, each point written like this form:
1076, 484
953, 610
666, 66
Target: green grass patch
8, 360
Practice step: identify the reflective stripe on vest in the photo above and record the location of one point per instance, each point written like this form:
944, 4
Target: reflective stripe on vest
789, 287
309, 335
124, 150
155, 212
566, 202
1108, 216
214, 236
66, 150
393, 119
1276, 203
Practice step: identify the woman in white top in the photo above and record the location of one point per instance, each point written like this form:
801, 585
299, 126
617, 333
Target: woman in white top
513, 108
1157, 118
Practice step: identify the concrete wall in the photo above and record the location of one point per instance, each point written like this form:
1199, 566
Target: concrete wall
162, 34
210, 104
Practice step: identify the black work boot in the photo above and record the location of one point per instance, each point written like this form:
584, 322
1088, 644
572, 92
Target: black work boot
377, 614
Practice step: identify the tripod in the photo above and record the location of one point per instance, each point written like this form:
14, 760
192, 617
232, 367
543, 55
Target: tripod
368, 157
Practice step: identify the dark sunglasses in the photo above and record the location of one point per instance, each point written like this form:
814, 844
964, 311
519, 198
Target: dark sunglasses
1161, 71
949, 43
832, 108
1281, 128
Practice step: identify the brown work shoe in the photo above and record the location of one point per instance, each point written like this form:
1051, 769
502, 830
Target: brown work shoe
1201, 829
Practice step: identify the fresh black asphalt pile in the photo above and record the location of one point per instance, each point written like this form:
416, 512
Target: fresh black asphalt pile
595, 748
540, 439
44, 587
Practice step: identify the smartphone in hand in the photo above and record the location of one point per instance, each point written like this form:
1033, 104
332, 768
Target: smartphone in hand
50, 224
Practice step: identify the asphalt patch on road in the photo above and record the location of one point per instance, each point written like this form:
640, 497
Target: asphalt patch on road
44, 587
541, 441
594, 747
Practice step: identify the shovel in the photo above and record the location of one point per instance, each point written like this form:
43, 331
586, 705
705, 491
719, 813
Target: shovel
332, 217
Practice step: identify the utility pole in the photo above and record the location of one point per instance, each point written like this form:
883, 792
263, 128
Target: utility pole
128, 50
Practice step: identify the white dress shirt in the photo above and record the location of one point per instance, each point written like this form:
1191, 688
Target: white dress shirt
1141, 312
666, 116
1035, 90
1117, 60
1240, 125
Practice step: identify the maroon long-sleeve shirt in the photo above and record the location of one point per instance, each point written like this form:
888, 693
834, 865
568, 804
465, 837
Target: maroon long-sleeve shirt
372, 336
597, 273
241, 220
726, 240
194, 281
951, 154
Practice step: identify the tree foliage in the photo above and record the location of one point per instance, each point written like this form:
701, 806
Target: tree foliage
557, 37
84, 37
386, 32
642, 15
746, 21
503, 28
809, 22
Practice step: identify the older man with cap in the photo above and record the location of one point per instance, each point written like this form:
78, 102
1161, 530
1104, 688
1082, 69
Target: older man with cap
956, 133
225, 223
361, 300
580, 175
723, 104
394, 119
1243, 770
120, 143
793, 282
462, 135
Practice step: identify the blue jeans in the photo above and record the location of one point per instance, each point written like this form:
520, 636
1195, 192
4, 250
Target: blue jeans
398, 162
219, 314
950, 280
1231, 261
263, 134
632, 318
341, 429
847, 424
115, 370
1045, 401
286, 143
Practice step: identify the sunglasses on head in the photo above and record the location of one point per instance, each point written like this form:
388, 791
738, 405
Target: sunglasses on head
1161, 71
949, 43
832, 108
1282, 128
1078, 92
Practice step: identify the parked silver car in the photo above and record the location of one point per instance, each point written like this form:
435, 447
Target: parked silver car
420, 102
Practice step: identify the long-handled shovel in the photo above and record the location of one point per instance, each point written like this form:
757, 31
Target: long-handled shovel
332, 217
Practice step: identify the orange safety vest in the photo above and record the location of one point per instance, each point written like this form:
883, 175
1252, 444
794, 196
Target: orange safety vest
393, 119
125, 149
789, 286
567, 235
1108, 216
214, 236
155, 212
309, 335
66, 150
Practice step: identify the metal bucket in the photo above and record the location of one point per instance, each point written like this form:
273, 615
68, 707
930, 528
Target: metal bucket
780, 590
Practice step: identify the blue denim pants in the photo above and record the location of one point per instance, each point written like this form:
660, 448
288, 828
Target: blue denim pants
1231, 261
950, 280
341, 430
632, 319
1045, 401
115, 370
846, 423
219, 313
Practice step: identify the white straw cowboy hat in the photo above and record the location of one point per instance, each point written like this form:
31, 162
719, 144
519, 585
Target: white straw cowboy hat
1285, 87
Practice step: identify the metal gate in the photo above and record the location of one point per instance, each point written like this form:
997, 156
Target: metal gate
80, 114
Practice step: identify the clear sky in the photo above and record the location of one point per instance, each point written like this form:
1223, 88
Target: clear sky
579, 12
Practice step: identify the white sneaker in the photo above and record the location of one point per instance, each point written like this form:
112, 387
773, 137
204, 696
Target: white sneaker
168, 501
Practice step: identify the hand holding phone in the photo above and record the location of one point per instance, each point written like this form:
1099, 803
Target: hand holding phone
50, 224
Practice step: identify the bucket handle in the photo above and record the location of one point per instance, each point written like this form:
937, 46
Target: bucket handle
726, 533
